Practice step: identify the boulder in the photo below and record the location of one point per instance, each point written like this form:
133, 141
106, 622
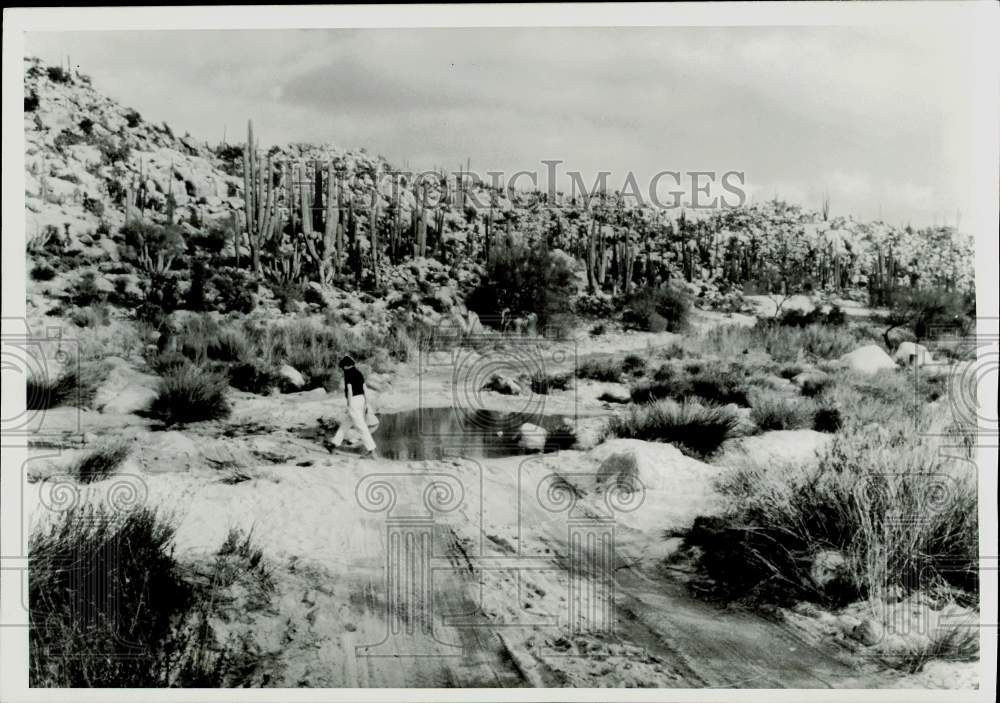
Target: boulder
777, 447
292, 376
503, 384
911, 353
672, 488
125, 390
870, 358
814, 378
531, 437
828, 568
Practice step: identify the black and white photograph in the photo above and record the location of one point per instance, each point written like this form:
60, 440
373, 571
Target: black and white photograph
450, 349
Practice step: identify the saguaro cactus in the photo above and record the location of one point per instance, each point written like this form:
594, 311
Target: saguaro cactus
373, 226
259, 200
419, 223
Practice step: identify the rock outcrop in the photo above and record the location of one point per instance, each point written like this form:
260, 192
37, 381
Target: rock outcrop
869, 359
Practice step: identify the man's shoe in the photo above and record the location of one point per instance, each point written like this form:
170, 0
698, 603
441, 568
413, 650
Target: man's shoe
370, 454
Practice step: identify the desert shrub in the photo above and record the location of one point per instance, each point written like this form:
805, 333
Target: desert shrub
401, 344
835, 316
161, 297
195, 335
136, 631
594, 305
66, 138
790, 371
672, 351
520, 281
930, 312
100, 463
132, 118
826, 342
543, 383
166, 362
235, 289
58, 74
148, 244
780, 518
42, 272
191, 393
827, 419
92, 316
230, 155
714, 381
31, 101
113, 150
196, 298
657, 310
794, 317
211, 240
720, 383
85, 291
315, 350
784, 344
600, 369
43, 393
814, 385
286, 294
695, 428
93, 206
229, 345
634, 365
560, 438
254, 377
598, 329
775, 411
241, 544
86, 126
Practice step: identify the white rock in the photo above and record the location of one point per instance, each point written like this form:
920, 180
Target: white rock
292, 375
870, 358
125, 390
673, 488
911, 353
810, 377
531, 437
778, 447
828, 567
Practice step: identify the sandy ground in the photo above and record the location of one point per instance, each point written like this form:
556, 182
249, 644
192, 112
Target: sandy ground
541, 570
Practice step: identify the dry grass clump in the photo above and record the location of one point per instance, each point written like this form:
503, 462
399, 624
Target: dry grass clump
698, 429
191, 393
901, 515
782, 343
543, 383
134, 631
251, 353
600, 369
101, 462
776, 411
714, 381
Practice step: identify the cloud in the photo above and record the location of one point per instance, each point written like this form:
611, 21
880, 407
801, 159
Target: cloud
855, 112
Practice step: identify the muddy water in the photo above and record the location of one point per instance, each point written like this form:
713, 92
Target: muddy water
435, 433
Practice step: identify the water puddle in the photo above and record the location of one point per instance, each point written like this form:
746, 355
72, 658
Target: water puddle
435, 433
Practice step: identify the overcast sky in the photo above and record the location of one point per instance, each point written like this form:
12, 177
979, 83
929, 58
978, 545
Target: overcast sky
877, 117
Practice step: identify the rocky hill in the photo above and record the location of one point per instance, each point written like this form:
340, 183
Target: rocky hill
92, 163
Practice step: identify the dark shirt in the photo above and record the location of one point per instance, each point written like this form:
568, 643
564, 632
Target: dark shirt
355, 379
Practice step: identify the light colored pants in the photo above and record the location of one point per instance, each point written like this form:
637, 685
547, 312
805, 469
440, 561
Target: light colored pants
356, 415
